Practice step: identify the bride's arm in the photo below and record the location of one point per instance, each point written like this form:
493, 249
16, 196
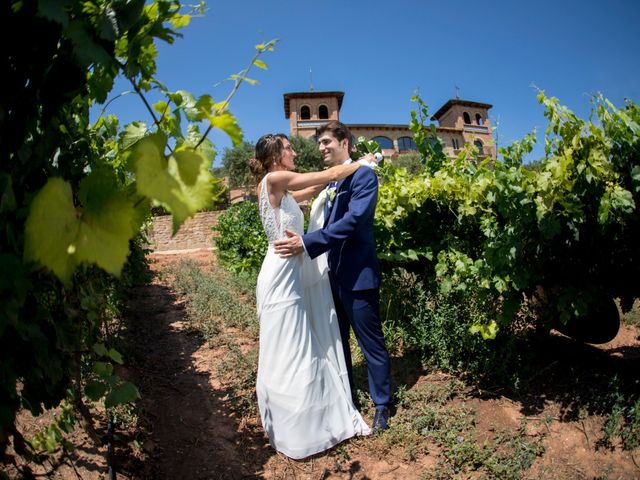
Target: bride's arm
282, 180
307, 193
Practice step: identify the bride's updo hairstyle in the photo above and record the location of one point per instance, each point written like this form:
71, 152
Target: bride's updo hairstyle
269, 150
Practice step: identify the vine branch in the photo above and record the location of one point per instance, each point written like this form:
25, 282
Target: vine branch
238, 81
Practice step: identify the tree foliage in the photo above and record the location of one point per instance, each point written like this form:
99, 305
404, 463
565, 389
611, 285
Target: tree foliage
308, 157
411, 162
235, 165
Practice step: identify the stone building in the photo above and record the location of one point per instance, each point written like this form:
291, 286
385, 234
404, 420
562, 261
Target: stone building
459, 122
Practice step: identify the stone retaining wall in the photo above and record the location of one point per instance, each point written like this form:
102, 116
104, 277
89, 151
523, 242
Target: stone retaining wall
193, 234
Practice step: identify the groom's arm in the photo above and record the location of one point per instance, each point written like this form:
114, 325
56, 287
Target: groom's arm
362, 205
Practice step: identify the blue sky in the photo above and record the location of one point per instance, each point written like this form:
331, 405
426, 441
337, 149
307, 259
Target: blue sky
380, 53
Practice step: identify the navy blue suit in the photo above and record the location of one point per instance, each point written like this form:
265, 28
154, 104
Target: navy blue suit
354, 273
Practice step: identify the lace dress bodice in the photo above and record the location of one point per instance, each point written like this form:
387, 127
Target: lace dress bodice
275, 221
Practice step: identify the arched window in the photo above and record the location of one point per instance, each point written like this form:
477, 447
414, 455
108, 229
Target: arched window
467, 118
305, 113
384, 142
323, 112
479, 119
478, 144
406, 143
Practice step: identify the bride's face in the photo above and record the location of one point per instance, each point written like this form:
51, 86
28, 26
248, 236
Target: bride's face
288, 154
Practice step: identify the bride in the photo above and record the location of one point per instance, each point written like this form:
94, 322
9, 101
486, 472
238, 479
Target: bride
302, 385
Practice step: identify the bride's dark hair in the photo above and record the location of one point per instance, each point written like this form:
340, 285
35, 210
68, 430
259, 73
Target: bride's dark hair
269, 149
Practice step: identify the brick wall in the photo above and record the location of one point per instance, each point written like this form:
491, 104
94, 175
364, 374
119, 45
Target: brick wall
193, 234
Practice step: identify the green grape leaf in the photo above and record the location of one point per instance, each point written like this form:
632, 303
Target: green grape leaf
161, 106
226, 122
187, 102
128, 12
106, 223
181, 183
132, 133
100, 349
54, 11
95, 390
60, 236
52, 228
87, 50
179, 20
635, 177
488, 332
205, 106
115, 356
206, 148
108, 28
103, 369
124, 393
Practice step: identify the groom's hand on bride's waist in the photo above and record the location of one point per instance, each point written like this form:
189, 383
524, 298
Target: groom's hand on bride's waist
289, 247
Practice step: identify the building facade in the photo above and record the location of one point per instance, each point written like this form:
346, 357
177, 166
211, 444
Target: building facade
459, 122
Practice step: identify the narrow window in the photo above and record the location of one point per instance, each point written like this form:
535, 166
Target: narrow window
455, 144
305, 113
323, 112
479, 120
467, 118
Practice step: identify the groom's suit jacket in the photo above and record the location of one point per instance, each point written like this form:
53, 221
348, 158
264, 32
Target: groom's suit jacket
348, 233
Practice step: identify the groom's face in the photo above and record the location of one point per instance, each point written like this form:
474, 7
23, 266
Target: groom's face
333, 151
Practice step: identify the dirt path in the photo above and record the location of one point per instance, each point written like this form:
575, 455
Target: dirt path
195, 435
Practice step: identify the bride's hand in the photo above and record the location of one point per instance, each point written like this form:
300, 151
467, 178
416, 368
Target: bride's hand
369, 160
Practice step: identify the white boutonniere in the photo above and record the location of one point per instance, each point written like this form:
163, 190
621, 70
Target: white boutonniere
331, 195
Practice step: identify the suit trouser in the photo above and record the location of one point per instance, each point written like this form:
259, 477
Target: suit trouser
360, 310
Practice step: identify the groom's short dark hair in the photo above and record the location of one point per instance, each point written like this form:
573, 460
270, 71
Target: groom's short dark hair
338, 130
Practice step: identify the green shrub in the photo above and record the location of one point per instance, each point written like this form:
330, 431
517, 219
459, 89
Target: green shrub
215, 300
411, 162
503, 235
241, 244
436, 326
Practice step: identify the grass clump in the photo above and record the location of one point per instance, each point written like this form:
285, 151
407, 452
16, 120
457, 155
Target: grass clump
438, 418
216, 302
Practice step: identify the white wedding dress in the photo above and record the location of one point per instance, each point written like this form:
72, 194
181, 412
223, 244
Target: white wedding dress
302, 385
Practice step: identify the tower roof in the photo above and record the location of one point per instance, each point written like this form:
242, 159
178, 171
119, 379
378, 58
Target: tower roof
457, 101
289, 96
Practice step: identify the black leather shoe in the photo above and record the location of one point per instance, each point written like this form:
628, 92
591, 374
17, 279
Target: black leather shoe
381, 419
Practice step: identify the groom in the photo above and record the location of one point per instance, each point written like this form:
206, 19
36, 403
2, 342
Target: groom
354, 273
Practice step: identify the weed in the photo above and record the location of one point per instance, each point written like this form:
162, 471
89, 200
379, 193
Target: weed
513, 454
244, 368
622, 421
437, 416
632, 317
214, 297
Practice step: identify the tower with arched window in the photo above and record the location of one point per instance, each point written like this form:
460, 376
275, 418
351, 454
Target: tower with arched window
464, 122
307, 111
